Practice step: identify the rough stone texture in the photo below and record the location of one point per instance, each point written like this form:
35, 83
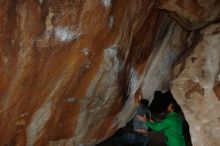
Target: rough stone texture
196, 88
192, 14
154, 74
69, 68
65, 66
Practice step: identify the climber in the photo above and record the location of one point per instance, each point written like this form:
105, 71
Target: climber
171, 126
140, 130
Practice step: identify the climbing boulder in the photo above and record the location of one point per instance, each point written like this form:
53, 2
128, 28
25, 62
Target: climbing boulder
196, 87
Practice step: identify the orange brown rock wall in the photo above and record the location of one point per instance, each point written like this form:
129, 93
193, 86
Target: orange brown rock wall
69, 69
65, 66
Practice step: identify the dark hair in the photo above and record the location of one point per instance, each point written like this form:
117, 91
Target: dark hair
144, 102
175, 107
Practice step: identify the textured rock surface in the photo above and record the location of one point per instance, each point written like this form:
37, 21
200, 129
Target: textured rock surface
192, 14
65, 66
69, 69
155, 73
196, 88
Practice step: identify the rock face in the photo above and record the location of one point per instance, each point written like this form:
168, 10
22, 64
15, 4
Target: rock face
69, 68
192, 14
65, 66
196, 88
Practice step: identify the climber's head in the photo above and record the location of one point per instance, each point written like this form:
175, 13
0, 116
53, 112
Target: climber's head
173, 107
144, 102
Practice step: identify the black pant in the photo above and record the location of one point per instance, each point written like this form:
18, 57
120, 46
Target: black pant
131, 138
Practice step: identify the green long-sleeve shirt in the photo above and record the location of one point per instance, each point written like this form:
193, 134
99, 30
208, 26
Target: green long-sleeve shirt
172, 128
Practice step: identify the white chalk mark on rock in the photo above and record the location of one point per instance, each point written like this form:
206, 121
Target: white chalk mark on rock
64, 34
40, 1
111, 21
85, 51
71, 100
106, 3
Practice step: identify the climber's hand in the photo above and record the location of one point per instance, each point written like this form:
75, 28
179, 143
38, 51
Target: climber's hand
141, 118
